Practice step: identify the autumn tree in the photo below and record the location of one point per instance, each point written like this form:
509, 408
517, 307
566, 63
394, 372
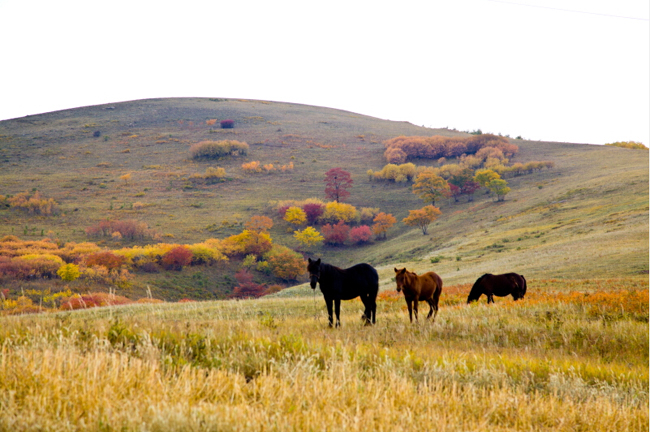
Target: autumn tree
295, 216
337, 183
285, 263
430, 187
422, 218
485, 176
309, 236
259, 224
382, 223
68, 272
499, 187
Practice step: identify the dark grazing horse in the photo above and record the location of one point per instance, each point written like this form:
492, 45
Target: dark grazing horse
338, 284
498, 285
419, 288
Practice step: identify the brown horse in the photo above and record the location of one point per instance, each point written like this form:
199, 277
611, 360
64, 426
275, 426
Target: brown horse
419, 288
498, 285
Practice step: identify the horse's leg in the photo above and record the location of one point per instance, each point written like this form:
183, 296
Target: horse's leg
337, 309
373, 307
490, 298
410, 306
430, 301
329, 303
366, 309
415, 308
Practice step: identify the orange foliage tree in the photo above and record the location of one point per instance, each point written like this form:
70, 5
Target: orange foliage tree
382, 223
422, 218
285, 263
259, 224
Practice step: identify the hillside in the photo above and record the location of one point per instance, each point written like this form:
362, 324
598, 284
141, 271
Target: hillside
587, 217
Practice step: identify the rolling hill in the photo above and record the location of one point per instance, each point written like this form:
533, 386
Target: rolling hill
585, 218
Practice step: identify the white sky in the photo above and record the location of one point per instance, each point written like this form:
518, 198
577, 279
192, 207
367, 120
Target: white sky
518, 67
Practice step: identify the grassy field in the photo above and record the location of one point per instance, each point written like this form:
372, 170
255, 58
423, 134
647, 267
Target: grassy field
572, 356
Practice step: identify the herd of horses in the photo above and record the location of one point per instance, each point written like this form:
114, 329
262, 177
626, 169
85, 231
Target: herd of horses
362, 281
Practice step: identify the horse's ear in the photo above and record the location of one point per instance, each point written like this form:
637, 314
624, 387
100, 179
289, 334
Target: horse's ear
309, 259
318, 261
396, 271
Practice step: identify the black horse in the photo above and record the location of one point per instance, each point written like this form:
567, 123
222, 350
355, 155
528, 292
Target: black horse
338, 284
498, 285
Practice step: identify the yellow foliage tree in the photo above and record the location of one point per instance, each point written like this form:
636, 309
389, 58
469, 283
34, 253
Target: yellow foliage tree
430, 187
485, 176
336, 211
68, 272
295, 216
309, 236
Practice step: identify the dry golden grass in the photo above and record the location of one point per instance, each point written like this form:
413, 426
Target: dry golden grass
550, 362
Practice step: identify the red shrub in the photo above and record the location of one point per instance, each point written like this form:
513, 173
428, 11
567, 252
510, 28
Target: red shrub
283, 210
246, 288
177, 258
313, 211
360, 234
336, 234
105, 259
94, 300
17, 268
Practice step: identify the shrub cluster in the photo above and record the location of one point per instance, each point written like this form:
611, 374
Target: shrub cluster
130, 229
34, 204
629, 145
400, 148
217, 149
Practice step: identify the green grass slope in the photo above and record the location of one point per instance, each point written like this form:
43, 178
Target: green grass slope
587, 217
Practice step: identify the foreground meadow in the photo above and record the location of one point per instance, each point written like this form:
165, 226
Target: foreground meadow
572, 356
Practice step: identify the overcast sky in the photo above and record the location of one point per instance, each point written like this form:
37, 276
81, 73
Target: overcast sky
552, 70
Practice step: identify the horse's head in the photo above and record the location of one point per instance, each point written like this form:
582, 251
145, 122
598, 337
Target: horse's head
313, 267
400, 278
476, 291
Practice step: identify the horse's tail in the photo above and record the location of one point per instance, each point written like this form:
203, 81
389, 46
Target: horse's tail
523, 288
476, 291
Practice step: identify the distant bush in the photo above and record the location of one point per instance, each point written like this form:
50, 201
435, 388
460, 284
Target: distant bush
400, 148
396, 173
227, 124
25, 269
629, 145
177, 258
106, 259
252, 167
211, 175
217, 149
34, 204
129, 229
246, 288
